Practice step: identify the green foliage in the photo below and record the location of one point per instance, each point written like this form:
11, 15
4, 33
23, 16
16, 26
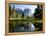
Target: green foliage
38, 13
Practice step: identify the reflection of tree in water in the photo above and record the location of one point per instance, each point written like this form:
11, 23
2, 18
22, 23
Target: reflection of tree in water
24, 27
19, 25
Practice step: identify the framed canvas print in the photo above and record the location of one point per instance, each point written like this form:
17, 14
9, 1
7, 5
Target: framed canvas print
24, 17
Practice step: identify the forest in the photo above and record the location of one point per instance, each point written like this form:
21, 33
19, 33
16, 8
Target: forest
20, 21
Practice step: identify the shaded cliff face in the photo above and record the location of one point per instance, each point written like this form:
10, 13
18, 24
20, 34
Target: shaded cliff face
21, 11
26, 9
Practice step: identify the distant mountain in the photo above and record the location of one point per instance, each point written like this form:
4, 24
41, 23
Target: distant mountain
25, 11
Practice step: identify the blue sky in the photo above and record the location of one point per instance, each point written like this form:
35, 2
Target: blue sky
22, 6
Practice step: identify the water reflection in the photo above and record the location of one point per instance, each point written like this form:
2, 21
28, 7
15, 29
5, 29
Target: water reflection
24, 28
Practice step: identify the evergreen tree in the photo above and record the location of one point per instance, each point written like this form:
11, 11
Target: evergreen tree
38, 12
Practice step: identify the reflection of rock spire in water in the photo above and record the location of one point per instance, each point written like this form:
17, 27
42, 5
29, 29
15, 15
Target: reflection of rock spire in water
32, 27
